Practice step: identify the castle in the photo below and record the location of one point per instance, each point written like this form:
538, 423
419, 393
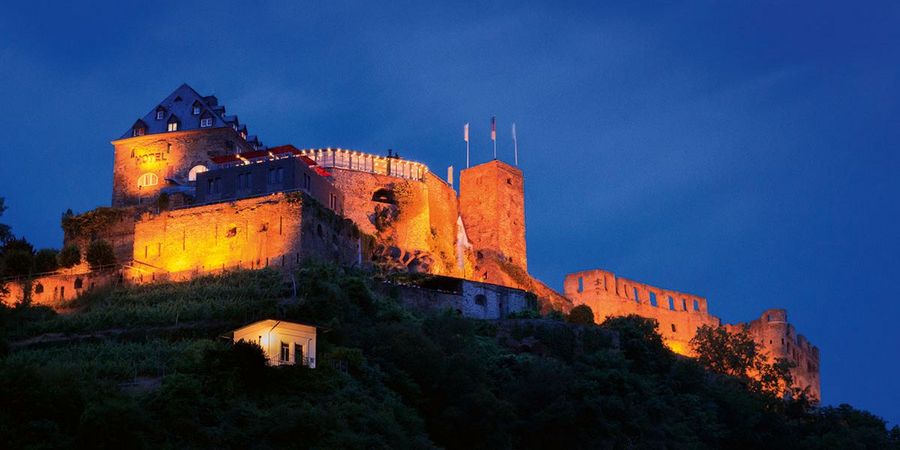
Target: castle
194, 194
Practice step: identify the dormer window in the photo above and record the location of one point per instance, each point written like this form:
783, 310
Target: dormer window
195, 110
244, 135
160, 113
206, 120
174, 123
139, 128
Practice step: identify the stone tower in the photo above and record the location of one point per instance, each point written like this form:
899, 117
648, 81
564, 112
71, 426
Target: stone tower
492, 206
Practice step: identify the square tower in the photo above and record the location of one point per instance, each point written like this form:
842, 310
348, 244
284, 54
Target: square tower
492, 205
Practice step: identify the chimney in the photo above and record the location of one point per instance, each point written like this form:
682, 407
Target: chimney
450, 176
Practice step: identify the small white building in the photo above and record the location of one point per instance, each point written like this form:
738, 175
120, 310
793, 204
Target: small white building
283, 343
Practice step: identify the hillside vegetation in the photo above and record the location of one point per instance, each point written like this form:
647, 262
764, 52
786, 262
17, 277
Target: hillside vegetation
150, 367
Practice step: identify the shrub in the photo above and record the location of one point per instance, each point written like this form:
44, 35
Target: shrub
581, 315
69, 256
100, 254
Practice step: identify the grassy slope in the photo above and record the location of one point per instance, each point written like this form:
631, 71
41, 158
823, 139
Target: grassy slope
406, 381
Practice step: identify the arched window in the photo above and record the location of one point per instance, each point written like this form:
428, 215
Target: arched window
195, 108
192, 175
384, 196
148, 179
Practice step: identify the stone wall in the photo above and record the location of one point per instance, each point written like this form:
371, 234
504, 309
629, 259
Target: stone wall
280, 230
167, 156
414, 221
679, 314
777, 338
53, 290
468, 298
113, 225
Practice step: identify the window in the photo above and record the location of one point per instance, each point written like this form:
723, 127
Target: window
138, 130
653, 299
580, 284
173, 126
673, 328
671, 303
306, 181
192, 174
276, 175
79, 283
160, 113
206, 122
195, 109
285, 352
148, 179
683, 305
481, 300
696, 305
333, 201
38, 288
637, 297
214, 185
245, 180
298, 354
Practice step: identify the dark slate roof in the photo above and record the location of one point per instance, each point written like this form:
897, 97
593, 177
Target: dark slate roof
180, 103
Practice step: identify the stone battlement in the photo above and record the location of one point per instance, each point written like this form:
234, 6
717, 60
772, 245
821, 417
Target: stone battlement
394, 166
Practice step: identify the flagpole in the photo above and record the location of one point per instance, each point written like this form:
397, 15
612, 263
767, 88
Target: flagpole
466, 136
494, 134
515, 144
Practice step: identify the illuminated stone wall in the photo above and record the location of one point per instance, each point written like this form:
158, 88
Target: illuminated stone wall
416, 219
54, 290
679, 314
778, 339
276, 230
166, 155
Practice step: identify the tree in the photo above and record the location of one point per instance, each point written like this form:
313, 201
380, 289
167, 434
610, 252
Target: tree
18, 257
70, 256
45, 260
100, 253
581, 315
737, 355
5, 231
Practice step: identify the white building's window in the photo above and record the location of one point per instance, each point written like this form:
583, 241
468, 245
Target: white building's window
206, 122
173, 126
285, 352
148, 179
192, 175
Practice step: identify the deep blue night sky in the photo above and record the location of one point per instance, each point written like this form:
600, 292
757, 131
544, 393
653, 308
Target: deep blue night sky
748, 154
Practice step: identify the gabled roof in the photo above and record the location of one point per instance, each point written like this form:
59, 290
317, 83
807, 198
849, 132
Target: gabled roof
180, 104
